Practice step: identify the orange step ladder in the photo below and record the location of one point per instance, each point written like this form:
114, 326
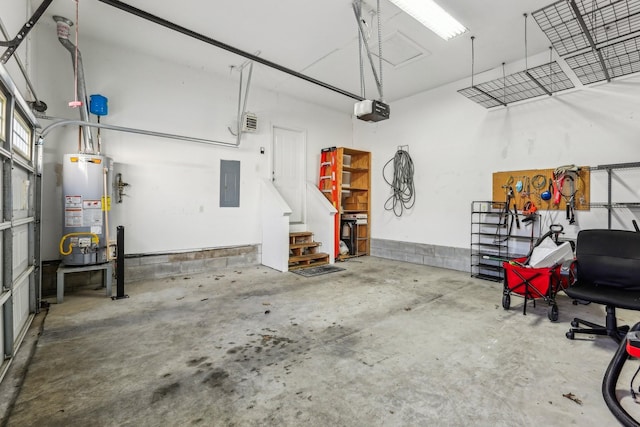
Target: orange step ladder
328, 185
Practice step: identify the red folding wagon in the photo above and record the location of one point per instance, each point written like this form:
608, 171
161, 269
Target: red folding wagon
532, 284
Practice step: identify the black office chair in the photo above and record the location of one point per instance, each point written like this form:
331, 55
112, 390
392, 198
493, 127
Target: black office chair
606, 271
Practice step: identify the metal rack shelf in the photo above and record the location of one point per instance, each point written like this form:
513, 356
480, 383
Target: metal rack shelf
492, 241
621, 58
598, 38
609, 204
615, 205
545, 79
487, 240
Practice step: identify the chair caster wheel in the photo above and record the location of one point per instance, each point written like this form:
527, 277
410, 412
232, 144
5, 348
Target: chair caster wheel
506, 301
552, 313
574, 323
570, 335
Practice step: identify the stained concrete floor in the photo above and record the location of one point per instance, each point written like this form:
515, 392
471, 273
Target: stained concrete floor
382, 343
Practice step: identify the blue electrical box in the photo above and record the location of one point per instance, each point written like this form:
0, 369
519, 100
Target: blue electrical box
98, 105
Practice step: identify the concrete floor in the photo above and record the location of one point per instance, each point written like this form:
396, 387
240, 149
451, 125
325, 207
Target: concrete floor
382, 343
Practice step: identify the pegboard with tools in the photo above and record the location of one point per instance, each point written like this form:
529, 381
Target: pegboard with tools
547, 189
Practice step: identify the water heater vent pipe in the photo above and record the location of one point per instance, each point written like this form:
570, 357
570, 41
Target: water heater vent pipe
64, 29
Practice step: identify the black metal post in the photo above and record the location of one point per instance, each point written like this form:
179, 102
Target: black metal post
120, 264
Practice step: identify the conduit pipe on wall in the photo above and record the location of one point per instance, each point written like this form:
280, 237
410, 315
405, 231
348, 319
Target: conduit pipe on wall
64, 29
52, 126
242, 108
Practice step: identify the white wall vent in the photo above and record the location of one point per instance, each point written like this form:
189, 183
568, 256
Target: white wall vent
249, 122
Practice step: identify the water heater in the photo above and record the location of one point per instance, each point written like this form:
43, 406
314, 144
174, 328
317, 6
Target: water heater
86, 192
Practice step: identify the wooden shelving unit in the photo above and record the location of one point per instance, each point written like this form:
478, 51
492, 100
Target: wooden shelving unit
347, 186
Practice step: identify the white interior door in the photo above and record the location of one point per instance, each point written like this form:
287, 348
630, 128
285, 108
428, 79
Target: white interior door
288, 175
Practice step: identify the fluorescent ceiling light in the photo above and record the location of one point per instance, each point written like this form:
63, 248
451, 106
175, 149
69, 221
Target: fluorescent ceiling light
432, 16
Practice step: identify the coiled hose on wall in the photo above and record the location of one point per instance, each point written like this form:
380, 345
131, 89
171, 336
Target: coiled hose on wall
403, 194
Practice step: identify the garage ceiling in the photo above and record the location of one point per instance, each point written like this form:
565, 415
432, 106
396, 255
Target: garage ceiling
318, 39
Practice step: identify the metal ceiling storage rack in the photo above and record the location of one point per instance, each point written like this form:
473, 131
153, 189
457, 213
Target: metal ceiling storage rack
598, 39
545, 79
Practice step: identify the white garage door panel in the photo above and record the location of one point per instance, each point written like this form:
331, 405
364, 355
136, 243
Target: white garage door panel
20, 250
1, 330
1, 187
18, 217
20, 305
21, 187
1, 256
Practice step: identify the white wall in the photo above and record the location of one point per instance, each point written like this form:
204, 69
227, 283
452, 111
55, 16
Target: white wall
456, 145
172, 201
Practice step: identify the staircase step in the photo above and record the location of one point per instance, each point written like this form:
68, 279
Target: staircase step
303, 251
308, 260
307, 257
304, 245
300, 237
300, 234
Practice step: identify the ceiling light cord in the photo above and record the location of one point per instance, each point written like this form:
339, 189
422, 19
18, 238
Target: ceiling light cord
593, 21
550, 67
473, 57
362, 82
380, 51
504, 84
526, 56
